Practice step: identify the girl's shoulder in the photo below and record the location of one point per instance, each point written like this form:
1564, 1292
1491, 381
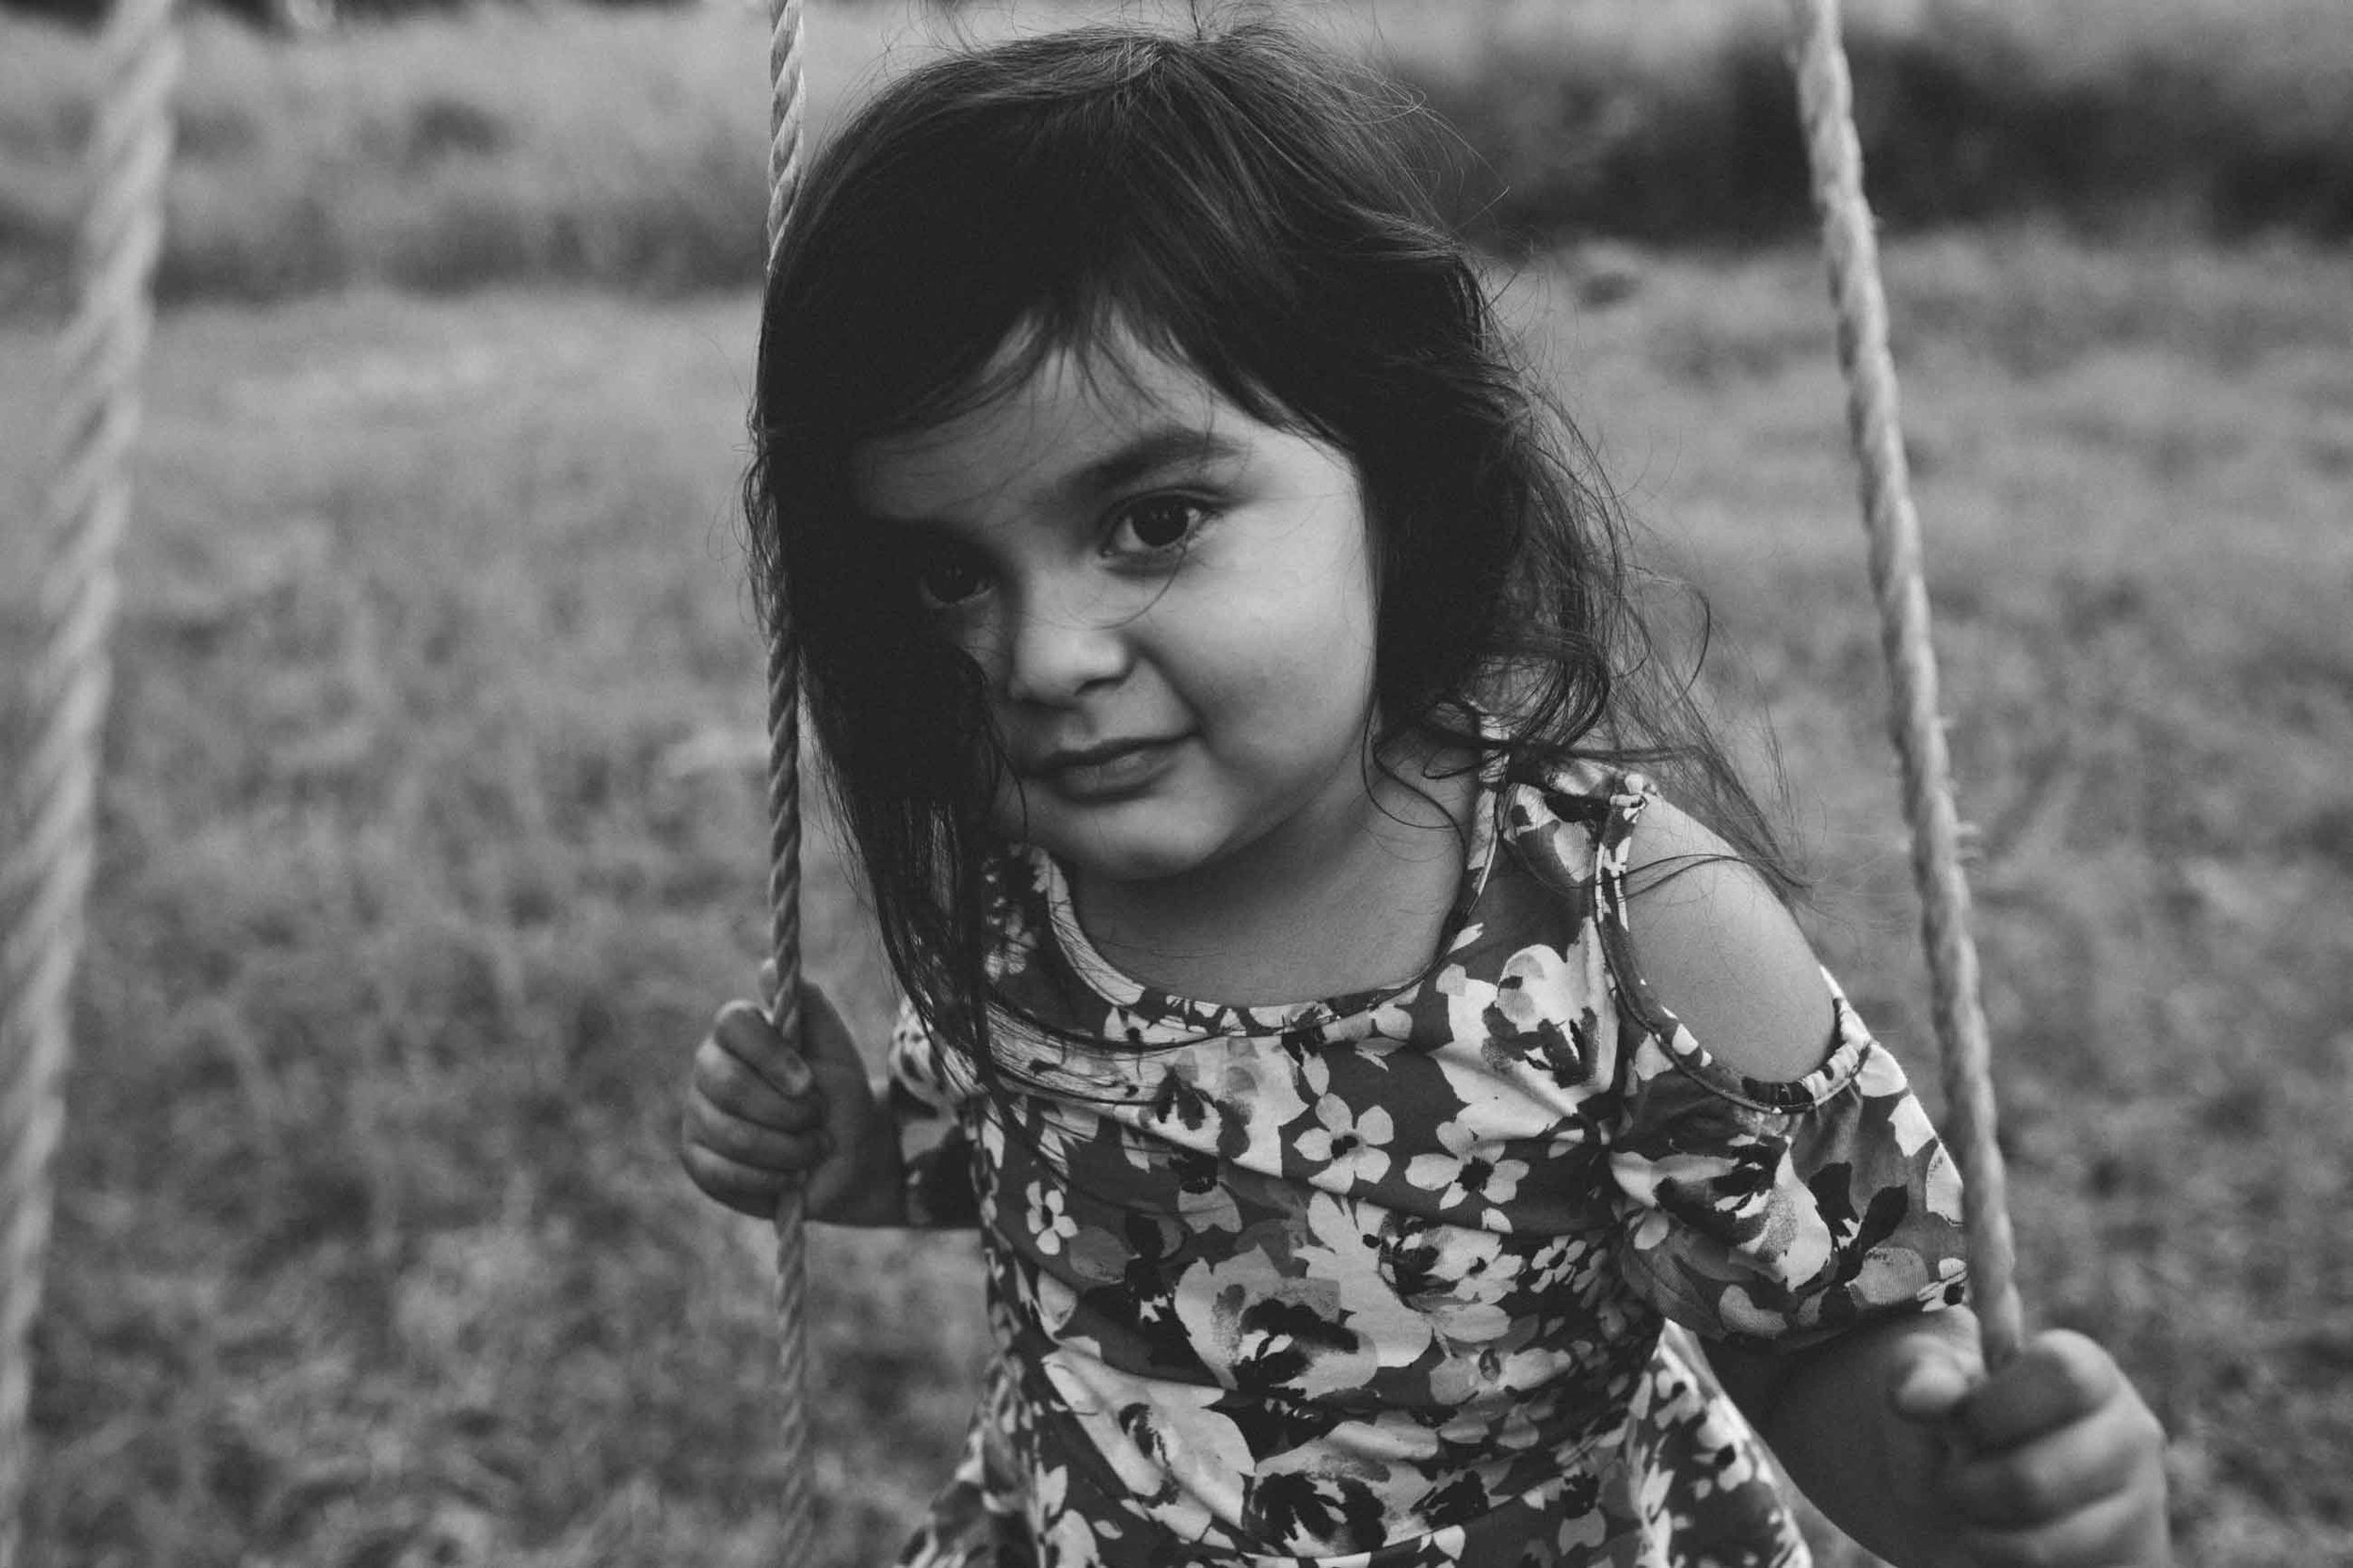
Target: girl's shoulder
1700, 937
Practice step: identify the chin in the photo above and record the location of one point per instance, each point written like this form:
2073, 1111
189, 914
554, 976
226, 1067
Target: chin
1132, 863
1133, 857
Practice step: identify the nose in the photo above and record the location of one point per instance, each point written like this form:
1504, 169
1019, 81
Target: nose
1065, 639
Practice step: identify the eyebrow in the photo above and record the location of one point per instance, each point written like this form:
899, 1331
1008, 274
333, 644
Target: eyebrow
1148, 452
1163, 446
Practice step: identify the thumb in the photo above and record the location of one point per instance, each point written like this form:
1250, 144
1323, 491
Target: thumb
1930, 1385
825, 1039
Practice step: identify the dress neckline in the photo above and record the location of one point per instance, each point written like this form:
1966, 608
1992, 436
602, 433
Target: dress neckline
1114, 986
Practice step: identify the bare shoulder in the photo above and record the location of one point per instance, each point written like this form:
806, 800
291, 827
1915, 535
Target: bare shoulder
1721, 952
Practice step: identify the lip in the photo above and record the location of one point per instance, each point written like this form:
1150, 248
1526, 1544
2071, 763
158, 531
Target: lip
1109, 769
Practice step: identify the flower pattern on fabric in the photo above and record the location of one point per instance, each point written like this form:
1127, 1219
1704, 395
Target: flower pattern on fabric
1347, 1142
1384, 1281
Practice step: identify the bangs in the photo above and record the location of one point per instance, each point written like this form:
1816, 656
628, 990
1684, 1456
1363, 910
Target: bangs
1104, 341
1146, 192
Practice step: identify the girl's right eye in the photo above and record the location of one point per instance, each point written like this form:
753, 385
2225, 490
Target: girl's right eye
945, 577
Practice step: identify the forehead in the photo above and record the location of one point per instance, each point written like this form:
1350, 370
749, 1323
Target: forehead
1050, 414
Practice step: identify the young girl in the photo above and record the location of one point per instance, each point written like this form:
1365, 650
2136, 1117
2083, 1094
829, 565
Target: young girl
1350, 1061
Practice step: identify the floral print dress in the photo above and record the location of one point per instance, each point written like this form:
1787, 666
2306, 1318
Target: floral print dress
1382, 1281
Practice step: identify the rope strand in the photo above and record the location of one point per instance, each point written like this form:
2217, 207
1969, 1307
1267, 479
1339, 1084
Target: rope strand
45, 874
1825, 99
784, 847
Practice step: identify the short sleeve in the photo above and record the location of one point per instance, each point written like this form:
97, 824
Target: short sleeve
1782, 1212
1768, 1213
924, 1097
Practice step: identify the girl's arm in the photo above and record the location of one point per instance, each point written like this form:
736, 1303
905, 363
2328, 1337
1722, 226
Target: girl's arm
1891, 1428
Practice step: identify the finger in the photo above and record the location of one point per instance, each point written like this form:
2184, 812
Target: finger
2059, 1379
734, 1088
824, 1034
2125, 1528
745, 1034
2051, 1476
1929, 1389
741, 1188
753, 1144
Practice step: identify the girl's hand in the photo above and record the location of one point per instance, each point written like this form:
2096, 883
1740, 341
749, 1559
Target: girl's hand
763, 1120
2051, 1462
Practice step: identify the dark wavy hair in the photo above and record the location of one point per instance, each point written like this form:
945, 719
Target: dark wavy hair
1262, 213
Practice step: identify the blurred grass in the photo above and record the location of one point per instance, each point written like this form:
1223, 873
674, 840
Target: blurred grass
441, 153
433, 836
627, 147
432, 832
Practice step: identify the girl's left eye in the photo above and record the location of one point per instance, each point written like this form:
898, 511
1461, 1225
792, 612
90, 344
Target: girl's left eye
1160, 523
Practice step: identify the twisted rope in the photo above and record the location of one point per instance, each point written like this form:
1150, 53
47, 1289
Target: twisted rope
45, 874
784, 846
1826, 101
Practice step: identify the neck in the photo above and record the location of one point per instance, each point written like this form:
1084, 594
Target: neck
1349, 904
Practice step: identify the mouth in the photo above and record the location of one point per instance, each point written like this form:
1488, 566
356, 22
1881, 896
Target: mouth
1104, 771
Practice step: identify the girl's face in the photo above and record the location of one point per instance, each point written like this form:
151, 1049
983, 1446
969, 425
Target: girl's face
1172, 604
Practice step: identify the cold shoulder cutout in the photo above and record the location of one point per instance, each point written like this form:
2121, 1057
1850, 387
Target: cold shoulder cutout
1715, 949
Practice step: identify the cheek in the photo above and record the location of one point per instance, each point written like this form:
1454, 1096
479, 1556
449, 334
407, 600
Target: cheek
972, 650
1332, 609
1345, 615
1350, 580
1305, 663
972, 635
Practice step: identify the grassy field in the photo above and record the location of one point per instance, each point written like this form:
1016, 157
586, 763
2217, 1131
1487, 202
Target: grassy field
432, 835
625, 146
